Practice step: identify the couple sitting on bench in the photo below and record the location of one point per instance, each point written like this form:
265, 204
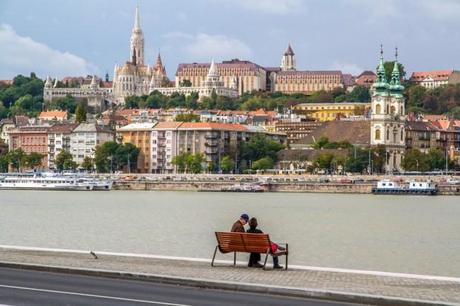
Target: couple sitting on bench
254, 258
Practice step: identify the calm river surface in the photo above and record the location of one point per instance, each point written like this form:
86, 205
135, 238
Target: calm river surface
387, 233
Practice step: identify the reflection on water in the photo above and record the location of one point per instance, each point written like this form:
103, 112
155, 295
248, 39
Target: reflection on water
387, 233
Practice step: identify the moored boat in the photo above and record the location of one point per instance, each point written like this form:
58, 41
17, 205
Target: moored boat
37, 181
413, 187
243, 188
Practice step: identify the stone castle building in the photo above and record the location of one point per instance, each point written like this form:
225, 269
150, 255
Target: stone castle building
388, 116
212, 83
287, 79
96, 95
247, 75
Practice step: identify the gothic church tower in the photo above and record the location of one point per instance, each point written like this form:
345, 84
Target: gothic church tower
137, 42
288, 60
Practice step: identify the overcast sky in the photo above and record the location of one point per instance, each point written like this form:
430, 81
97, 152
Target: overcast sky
78, 37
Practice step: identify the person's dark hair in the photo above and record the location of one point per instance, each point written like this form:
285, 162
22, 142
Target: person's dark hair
253, 223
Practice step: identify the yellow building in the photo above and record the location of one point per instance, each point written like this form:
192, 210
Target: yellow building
332, 111
138, 134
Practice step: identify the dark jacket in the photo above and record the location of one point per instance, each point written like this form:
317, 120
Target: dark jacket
254, 231
238, 227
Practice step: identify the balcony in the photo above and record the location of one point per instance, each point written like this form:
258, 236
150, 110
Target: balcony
211, 143
211, 136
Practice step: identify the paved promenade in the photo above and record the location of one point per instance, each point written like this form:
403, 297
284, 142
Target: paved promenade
343, 285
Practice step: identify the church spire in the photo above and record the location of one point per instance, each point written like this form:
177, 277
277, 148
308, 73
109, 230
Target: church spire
381, 84
137, 20
137, 41
288, 59
395, 84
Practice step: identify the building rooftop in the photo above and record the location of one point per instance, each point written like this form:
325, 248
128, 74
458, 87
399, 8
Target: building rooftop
355, 132
144, 126
62, 128
92, 127
53, 114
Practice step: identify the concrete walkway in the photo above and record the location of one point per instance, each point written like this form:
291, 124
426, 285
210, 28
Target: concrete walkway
353, 286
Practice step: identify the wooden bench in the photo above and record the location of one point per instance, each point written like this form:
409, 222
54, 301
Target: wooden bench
246, 243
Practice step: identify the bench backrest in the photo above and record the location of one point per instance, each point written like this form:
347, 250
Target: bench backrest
243, 242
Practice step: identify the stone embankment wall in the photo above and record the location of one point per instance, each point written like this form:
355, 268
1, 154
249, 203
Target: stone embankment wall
315, 184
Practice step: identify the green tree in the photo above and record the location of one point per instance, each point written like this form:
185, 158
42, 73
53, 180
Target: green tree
227, 164
455, 112
17, 159
196, 163
4, 163
180, 161
389, 66
126, 155
33, 160
260, 146
187, 118
436, 159
80, 113
67, 103
324, 161
359, 94
88, 163
3, 111
414, 160
415, 96
64, 161
263, 164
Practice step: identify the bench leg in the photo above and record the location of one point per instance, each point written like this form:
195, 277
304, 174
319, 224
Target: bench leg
287, 255
234, 259
266, 257
214, 257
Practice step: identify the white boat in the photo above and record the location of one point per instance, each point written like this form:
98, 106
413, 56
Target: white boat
43, 182
424, 187
414, 187
98, 184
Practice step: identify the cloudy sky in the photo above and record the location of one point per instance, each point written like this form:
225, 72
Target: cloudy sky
77, 37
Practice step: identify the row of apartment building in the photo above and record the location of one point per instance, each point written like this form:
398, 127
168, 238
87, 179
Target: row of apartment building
160, 142
80, 140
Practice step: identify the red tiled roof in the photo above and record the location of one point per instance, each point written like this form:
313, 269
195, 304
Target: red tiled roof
212, 126
53, 114
437, 75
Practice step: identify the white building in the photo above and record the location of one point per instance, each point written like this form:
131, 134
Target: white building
97, 97
135, 78
86, 137
212, 83
59, 139
388, 116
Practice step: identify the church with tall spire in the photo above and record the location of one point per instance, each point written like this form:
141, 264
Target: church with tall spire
135, 77
388, 115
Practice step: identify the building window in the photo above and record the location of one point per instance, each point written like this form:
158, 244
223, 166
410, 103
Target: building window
378, 109
377, 134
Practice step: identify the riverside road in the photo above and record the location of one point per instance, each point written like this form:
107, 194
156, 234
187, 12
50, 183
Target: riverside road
30, 288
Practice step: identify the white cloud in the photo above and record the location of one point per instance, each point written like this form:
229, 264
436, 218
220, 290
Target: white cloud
347, 68
205, 46
441, 9
22, 55
268, 6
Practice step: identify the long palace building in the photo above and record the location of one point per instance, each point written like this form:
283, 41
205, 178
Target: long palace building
228, 78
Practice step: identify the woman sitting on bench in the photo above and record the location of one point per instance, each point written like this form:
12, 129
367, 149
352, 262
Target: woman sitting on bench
255, 257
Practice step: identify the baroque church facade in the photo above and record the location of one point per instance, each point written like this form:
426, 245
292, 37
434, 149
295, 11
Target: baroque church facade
388, 116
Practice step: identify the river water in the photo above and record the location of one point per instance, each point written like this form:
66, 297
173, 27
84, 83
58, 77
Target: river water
408, 234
